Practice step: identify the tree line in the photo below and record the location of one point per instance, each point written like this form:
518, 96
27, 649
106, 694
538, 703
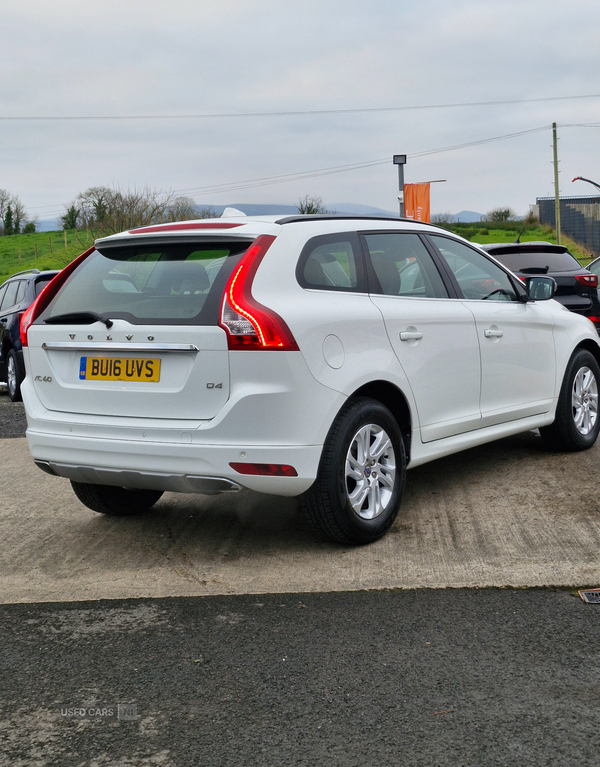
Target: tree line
13, 216
105, 210
110, 210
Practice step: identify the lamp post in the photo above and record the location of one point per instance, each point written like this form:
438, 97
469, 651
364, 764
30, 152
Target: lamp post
400, 161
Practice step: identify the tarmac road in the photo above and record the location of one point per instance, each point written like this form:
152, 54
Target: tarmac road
424, 678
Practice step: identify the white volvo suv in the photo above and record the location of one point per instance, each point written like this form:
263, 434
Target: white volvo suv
312, 356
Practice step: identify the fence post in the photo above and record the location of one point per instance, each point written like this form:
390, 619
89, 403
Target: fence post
19, 256
35, 246
50, 241
65, 231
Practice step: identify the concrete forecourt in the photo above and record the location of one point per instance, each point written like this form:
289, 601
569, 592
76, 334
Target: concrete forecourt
506, 514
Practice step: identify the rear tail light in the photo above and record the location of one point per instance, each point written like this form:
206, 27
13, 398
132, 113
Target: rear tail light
265, 469
251, 325
595, 320
47, 294
591, 280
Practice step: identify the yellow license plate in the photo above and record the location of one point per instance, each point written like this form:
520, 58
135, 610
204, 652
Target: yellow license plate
119, 369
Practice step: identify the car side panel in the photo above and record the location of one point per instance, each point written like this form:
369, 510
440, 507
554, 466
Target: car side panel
341, 335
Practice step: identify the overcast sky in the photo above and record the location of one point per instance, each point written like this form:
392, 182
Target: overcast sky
191, 57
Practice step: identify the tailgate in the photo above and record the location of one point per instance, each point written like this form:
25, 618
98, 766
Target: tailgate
134, 331
179, 372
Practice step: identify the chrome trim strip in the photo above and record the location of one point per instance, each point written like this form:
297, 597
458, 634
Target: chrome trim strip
141, 480
73, 346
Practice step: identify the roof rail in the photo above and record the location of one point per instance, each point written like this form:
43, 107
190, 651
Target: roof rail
338, 217
25, 271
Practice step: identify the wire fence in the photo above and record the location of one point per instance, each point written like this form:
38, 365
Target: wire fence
579, 219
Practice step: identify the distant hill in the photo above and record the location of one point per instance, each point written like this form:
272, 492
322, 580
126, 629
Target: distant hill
47, 225
360, 210
468, 216
290, 210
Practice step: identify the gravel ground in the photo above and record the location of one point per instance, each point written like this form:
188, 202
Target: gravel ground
12, 417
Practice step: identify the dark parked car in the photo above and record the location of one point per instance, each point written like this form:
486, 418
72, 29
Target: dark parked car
16, 295
577, 288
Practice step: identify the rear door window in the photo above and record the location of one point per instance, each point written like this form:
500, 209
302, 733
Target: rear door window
331, 262
21, 291
10, 297
166, 283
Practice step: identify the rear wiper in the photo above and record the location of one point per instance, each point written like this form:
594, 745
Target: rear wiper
535, 270
77, 318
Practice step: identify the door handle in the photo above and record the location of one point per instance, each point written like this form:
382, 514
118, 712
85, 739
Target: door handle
493, 333
408, 335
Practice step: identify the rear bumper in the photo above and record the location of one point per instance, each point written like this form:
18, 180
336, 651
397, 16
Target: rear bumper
183, 468
277, 413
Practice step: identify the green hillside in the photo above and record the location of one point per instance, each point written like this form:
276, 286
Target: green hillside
42, 250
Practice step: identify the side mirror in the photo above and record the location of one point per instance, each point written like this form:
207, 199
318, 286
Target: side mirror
540, 288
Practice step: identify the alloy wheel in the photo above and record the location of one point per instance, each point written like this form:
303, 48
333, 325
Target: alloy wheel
584, 400
370, 472
11, 375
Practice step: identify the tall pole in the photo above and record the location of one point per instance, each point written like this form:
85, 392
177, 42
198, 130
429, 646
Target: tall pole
400, 161
401, 189
556, 192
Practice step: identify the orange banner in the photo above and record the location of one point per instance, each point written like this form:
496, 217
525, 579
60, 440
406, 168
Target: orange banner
416, 202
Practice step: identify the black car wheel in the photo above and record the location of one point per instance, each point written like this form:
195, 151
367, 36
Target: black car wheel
115, 501
13, 377
577, 421
358, 489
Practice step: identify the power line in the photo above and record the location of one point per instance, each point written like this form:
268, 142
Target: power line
294, 113
235, 186
269, 180
578, 125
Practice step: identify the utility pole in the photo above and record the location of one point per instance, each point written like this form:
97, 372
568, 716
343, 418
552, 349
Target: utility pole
400, 161
556, 193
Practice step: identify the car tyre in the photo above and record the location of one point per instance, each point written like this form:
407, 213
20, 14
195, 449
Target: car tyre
357, 493
577, 421
13, 377
115, 501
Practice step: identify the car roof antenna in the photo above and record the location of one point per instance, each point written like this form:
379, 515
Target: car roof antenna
528, 218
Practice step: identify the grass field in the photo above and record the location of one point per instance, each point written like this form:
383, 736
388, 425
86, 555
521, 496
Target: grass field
46, 250
51, 251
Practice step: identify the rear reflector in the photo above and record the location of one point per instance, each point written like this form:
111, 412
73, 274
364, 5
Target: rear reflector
594, 319
265, 469
591, 280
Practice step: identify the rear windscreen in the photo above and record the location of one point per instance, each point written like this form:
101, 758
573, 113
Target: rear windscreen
556, 262
166, 283
41, 283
